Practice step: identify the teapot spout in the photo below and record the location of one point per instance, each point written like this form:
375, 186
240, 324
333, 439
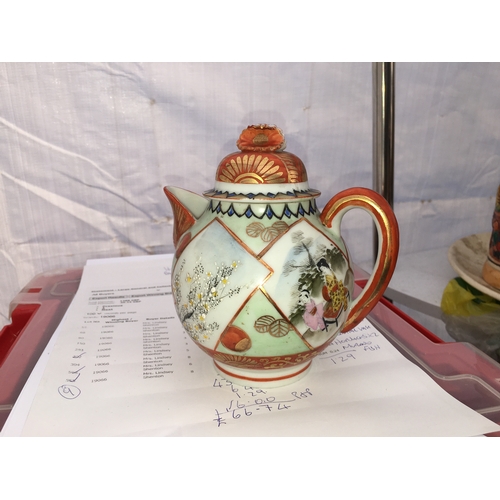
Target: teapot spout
187, 208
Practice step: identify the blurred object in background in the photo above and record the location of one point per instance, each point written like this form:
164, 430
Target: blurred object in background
491, 269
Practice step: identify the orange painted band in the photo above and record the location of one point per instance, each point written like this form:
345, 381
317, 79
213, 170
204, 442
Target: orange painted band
267, 379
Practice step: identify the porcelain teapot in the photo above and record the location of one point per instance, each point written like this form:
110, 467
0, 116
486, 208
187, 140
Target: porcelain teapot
261, 278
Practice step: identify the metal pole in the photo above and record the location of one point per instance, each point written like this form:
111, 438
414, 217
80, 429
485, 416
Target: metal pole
383, 133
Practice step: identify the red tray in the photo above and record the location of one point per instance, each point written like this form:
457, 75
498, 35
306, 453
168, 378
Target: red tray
461, 369
35, 314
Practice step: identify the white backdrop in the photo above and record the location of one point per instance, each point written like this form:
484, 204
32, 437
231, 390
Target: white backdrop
85, 149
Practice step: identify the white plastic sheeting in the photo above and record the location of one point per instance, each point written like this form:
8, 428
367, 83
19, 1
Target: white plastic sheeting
85, 149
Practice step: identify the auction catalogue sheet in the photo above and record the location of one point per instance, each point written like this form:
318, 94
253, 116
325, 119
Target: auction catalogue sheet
120, 364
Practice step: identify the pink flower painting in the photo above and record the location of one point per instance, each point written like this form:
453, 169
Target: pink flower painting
313, 316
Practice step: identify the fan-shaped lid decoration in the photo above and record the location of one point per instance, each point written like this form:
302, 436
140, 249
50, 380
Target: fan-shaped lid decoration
261, 161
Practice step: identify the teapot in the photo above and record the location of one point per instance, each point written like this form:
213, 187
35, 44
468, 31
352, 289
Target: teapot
262, 280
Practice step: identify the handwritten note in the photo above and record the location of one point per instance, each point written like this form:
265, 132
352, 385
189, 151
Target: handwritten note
355, 346
121, 364
249, 401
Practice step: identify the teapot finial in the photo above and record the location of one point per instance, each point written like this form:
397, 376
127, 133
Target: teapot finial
261, 160
261, 137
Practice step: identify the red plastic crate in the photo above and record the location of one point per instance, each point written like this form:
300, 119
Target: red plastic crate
35, 314
462, 370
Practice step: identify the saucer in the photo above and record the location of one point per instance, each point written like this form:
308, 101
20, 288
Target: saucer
467, 257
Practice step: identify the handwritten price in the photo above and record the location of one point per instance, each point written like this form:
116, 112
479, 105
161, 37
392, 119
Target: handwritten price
237, 408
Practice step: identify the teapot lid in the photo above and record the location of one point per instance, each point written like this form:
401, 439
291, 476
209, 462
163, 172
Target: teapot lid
261, 170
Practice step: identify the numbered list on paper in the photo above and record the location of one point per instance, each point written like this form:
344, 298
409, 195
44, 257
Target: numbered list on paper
119, 340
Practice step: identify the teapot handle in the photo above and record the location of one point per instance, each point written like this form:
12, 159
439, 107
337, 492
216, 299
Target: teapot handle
388, 244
